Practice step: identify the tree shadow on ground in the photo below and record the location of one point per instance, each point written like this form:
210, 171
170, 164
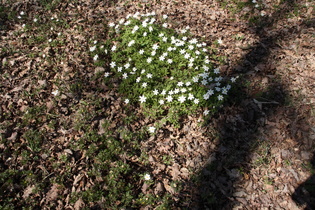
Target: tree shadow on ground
241, 125
305, 193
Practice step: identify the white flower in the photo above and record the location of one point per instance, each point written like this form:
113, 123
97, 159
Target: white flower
204, 75
127, 65
95, 42
106, 74
204, 82
92, 48
188, 84
142, 99
164, 39
95, 57
206, 68
195, 79
161, 102
206, 96
224, 91
165, 16
163, 92
59, 34
184, 38
147, 177
23, 26
142, 71
180, 84
22, 13
127, 23
144, 24
210, 92
207, 61
161, 58
193, 41
149, 60
206, 112
254, 1
190, 96
262, 13
182, 51
169, 49
150, 29
141, 51
152, 20
186, 56
55, 93
164, 25
138, 79
127, 101
145, 33
182, 99
216, 70
155, 92
176, 90
119, 69
169, 98
220, 41
155, 47
191, 60
144, 84
131, 43
153, 53
161, 35
183, 90
19, 17
197, 52
171, 92
220, 97
135, 28
114, 48
169, 61
199, 45
233, 79
112, 64
191, 47
149, 75
35, 20
183, 31
125, 75
196, 101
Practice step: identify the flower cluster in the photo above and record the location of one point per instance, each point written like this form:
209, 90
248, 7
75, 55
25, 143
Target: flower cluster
160, 68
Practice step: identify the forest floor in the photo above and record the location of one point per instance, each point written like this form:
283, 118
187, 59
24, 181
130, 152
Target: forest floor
82, 147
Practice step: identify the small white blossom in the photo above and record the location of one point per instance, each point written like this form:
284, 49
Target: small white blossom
127, 65
182, 99
163, 92
127, 101
149, 60
111, 24
196, 101
164, 39
125, 75
149, 75
92, 48
145, 33
114, 48
233, 79
191, 47
95, 57
164, 25
182, 51
165, 16
150, 29
220, 41
131, 43
119, 69
106, 74
22, 13
138, 79
188, 84
141, 51
142, 71
153, 53
220, 97
161, 58
35, 20
187, 56
144, 84
169, 61
180, 84
142, 99
161, 101
155, 92
216, 70
176, 90
169, 98
155, 47
147, 177
112, 64
190, 96
206, 112
151, 130
55, 93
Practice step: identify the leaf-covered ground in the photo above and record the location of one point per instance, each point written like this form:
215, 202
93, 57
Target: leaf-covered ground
69, 142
